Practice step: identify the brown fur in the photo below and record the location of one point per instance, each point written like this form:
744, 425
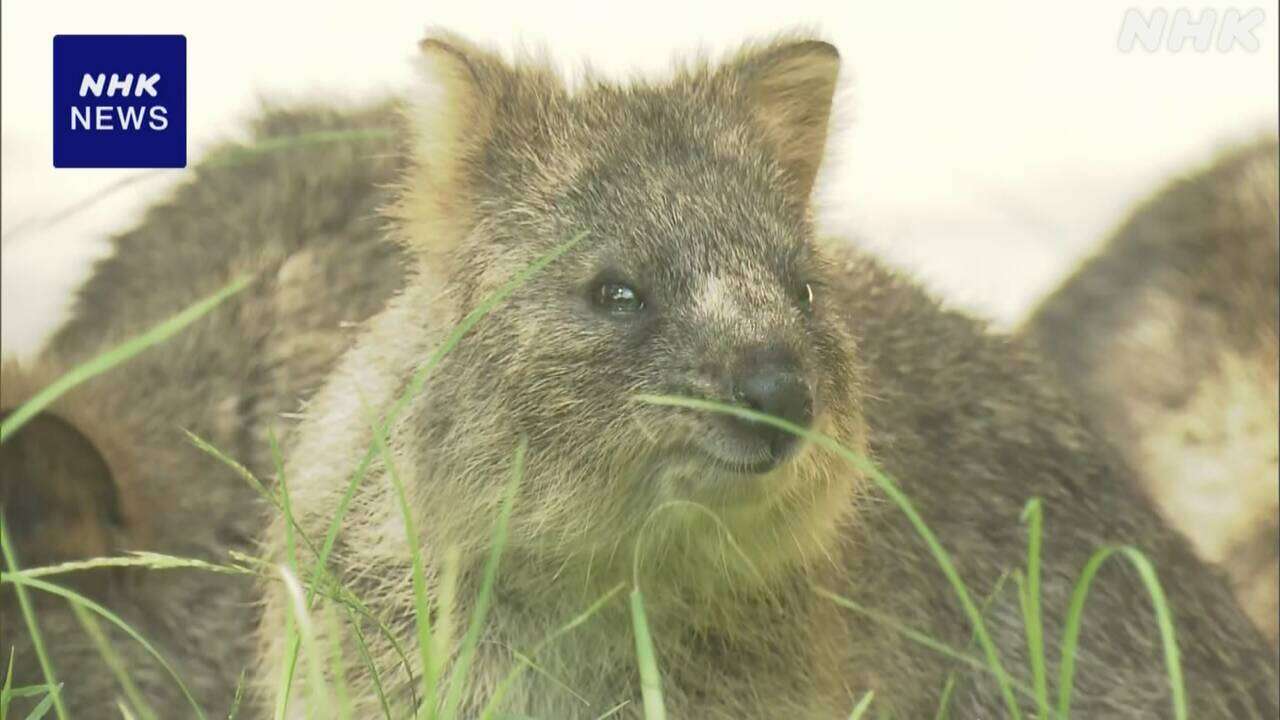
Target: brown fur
302, 221
695, 190
1171, 336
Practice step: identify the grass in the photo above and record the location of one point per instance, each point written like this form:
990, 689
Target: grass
33, 629
1032, 515
433, 650
646, 660
430, 653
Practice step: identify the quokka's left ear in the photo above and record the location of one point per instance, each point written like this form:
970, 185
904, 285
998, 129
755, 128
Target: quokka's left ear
451, 105
450, 116
790, 86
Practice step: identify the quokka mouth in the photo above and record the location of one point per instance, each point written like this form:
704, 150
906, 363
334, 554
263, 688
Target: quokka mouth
757, 465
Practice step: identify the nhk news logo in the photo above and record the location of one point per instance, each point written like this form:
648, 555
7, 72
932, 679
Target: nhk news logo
119, 101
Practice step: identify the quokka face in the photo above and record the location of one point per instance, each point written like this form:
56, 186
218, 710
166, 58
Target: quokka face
695, 273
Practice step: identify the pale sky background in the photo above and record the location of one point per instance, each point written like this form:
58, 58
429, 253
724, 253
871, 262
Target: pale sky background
984, 146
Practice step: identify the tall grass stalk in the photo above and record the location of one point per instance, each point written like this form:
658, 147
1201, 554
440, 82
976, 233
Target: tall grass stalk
296, 608
72, 596
495, 701
29, 617
1164, 619
414, 388
115, 663
1029, 598
479, 613
429, 660
646, 660
863, 706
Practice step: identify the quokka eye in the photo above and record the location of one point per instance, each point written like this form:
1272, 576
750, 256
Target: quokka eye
619, 299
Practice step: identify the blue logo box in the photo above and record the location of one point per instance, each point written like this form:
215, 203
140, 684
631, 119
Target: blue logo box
119, 101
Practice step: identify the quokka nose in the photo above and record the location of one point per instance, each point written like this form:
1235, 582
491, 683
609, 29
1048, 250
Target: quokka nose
770, 382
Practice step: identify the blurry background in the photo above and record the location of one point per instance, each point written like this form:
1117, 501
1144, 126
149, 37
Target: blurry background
986, 147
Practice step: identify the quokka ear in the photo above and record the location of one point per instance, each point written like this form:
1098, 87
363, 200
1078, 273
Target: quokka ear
791, 87
57, 493
450, 115
452, 103
60, 493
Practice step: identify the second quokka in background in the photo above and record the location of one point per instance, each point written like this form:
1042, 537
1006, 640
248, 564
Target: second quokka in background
1170, 337
108, 469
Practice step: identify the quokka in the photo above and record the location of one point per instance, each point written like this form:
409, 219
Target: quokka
1170, 336
697, 272
108, 469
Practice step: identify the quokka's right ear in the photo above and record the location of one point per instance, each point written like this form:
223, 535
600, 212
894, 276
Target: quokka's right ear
450, 114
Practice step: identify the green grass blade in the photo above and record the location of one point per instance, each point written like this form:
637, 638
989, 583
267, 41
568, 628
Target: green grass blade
430, 663
235, 701
7, 690
236, 154
949, 686
291, 558
374, 676
42, 709
907, 631
647, 660
294, 532
890, 488
115, 356
286, 672
208, 448
337, 666
72, 596
218, 158
613, 710
317, 687
415, 386
340, 594
114, 663
149, 560
637, 555
27, 690
479, 613
420, 377
863, 706
1164, 618
495, 700
1029, 595
29, 617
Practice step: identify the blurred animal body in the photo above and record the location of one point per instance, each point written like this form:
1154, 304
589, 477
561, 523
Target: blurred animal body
1171, 338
